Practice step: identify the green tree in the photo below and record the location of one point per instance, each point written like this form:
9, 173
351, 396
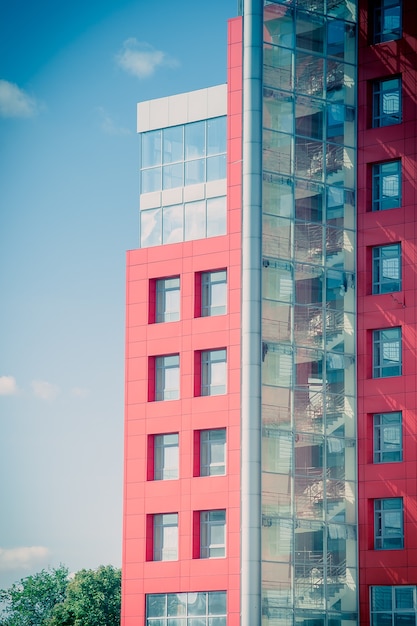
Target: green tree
92, 599
31, 601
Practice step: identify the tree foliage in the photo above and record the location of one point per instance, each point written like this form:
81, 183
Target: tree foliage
31, 601
50, 598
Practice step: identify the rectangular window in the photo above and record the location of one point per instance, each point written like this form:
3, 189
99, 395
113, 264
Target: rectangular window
393, 606
213, 293
386, 105
165, 537
389, 527
212, 534
166, 457
203, 608
387, 20
167, 299
213, 372
386, 269
167, 377
387, 353
213, 452
386, 185
388, 437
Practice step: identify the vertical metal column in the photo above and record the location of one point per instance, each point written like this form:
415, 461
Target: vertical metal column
251, 315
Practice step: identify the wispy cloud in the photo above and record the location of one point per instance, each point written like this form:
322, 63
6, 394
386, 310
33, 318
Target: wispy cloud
141, 59
8, 386
79, 392
22, 557
44, 390
109, 126
15, 102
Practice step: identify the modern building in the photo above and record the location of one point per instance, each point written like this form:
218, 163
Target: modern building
271, 371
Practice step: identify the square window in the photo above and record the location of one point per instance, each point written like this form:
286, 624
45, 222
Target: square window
213, 452
388, 524
386, 185
203, 608
388, 437
213, 293
167, 377
386, 269
387, 20
165, 537
387, 360
167, 299
386, 105
213, 372
166, 457
393, 605
212, 534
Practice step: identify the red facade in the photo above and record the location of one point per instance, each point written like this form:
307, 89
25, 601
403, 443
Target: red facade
191, 413
391, 310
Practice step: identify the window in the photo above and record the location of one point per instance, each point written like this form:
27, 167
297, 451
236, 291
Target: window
389, 533
213, 293
167, 299
165, 537
387, 352
387, 20
204, 608
386, 269
386, 186
386, 102
388, 437
392, 606
213, 372
212, 534
166, 460
213, 452
167, 384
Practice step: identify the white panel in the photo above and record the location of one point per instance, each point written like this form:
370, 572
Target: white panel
194, 192
150, 200
177, 109
216, 188
217, 101
172, 196
143, 116
197, 105
158, 114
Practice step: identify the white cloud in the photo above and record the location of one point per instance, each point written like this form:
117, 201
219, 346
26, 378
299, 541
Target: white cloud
79, 392
22, 558
108, 126
8, 386
44, 390
141, 59
14, 102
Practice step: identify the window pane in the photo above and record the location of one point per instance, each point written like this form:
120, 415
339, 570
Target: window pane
150, 228
195, 142
172, 176
151, 148
213, 293
150, 180
212, 452
195, 172
195, 220
173, 146
216, 216
173, 223
386, 269
167, 300
216, 135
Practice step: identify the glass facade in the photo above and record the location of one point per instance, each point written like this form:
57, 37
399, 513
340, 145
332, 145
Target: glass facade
309, 551
176, 157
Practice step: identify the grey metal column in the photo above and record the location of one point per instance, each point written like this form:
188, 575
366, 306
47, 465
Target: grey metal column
251, 315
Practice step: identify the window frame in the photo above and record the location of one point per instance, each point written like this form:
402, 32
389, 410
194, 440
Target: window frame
384, 539
163, 545
381, 282
163, 393
164, 287
209, 281
208, 361
207, 607
381, 344
208, 441
380, 33
387, 604
380, 118
381, 423
163, 469
210, 521
381, 201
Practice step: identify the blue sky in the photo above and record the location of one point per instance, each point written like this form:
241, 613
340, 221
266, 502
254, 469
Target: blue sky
71, 74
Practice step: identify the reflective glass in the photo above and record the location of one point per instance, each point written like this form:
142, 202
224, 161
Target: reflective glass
278, 67
150, 180
216, 216
151, 148
195, 140
172, 176
195, 220
173, 223
216, 167
151, 227
173, 144
195, 171
216, 135
309, 74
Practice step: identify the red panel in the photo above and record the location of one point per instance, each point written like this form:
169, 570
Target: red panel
386, 567
188, 415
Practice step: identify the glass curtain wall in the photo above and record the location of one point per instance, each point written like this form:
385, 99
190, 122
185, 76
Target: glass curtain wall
309, 551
